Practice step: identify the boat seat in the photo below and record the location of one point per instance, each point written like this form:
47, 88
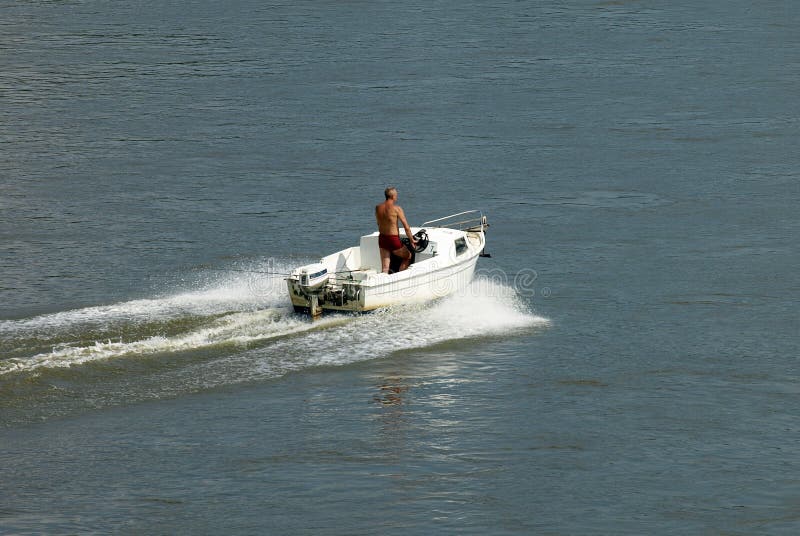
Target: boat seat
370, 253
348, 260
362, 275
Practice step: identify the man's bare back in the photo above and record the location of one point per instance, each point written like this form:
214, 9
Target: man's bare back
388, 214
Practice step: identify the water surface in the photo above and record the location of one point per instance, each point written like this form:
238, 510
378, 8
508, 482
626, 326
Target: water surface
623, 364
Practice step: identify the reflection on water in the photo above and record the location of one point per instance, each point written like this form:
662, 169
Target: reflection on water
392, 397
420, 395
391, 393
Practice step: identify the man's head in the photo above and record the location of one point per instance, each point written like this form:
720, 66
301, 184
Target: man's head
390, 192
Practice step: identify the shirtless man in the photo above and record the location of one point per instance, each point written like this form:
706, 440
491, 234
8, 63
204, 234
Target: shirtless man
388, 214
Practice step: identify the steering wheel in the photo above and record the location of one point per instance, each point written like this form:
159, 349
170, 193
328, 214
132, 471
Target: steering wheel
421, 238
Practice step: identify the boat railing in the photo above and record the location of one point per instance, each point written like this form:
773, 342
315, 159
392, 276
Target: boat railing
470, 220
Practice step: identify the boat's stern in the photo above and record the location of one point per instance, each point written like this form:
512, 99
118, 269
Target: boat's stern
317, 286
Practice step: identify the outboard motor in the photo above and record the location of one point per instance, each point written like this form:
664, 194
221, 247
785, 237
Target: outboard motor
313, 277
311, 281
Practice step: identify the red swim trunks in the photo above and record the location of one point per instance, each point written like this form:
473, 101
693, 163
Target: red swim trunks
389, 242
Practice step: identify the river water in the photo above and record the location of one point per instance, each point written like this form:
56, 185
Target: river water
625, 363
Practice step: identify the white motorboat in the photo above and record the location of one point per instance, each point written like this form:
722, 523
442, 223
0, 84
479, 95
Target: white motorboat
351, 280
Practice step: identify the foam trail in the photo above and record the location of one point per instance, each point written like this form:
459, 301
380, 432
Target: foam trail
483, 309
223, 308
285, 341
234, 329
225, 293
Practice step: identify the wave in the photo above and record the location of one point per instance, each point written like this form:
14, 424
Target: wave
248, 322
219, 293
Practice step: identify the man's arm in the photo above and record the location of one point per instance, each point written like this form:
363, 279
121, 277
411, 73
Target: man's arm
402, 217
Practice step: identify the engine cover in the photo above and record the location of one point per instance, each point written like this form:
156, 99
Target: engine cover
313, 277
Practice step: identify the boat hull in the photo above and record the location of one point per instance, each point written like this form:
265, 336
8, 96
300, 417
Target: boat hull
356, 283
423, 288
